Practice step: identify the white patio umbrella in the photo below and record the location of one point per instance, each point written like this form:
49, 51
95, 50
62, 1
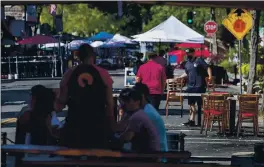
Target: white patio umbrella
96, 44
121, 39
52, 45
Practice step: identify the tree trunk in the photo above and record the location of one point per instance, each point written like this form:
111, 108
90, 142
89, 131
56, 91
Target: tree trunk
214, 50
254, 50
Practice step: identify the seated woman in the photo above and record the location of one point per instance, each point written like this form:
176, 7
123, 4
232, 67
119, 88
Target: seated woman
36, 119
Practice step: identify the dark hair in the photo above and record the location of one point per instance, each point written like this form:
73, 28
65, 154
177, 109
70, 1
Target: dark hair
191, 50
161, 52
143, 89
86, 51
130, 93
44, 98
43, 107
152, 55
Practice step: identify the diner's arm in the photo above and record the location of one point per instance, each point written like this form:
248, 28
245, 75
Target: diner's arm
163, 79
127, 136
138, 77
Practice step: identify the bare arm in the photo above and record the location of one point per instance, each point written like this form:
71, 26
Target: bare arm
184, 75
209, 71
163, 79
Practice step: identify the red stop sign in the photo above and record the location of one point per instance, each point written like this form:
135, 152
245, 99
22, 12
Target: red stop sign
210, 27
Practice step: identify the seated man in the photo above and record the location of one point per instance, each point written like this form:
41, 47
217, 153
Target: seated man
153, 115
140, 130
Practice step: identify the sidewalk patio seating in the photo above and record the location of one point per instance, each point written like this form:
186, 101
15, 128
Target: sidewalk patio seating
173, 87
248, 109
214, 106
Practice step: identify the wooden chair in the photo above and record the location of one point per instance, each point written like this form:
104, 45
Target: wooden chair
210, 84
248, 109
214, 106
174, 86
226, 94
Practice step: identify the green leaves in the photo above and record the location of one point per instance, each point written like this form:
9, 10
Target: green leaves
83, 20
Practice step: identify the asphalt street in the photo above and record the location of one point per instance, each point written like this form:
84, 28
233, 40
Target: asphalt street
15, 95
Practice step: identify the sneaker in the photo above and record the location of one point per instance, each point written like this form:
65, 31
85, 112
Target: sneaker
189, 123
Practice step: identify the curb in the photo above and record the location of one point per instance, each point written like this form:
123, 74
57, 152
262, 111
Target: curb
47, 78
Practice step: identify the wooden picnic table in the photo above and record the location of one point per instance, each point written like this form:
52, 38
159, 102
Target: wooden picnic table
64, 151
94, 156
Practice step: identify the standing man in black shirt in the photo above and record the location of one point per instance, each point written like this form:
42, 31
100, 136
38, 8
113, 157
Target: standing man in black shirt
196, 69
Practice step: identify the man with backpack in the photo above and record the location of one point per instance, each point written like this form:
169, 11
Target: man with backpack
87, 90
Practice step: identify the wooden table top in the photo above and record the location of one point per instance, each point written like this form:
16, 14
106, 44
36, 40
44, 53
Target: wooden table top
37, 149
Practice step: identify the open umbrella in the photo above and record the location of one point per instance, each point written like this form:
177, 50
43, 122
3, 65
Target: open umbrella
38, 39
190, 45
122, 39
101, 36
113, 45
203, 53
96, 44
52, 45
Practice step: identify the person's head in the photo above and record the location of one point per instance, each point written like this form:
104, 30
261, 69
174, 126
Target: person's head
161, 53
86, 54
152, 55
144, 90
176, 48
130, 99
42, 99
190, 53
139, 55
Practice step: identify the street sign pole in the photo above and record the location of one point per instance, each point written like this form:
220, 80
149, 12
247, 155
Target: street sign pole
240, 65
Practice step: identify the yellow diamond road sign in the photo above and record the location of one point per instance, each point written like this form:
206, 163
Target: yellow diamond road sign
238, 22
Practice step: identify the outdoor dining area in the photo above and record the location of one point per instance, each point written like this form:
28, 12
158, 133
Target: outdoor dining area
226, 109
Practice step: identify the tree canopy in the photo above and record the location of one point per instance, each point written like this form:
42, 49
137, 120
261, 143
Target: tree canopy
82, 19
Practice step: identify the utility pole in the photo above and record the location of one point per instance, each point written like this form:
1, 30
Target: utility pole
214, 49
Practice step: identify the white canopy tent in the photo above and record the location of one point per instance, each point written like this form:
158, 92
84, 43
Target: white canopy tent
171, 30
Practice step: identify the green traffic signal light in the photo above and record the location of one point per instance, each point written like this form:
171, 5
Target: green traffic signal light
190, 17
189, 21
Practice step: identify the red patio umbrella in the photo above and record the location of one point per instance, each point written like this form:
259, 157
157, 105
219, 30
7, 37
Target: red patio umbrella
38, 39
203, 53
190, 45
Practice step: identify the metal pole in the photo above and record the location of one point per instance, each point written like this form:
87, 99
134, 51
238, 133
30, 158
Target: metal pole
16, 64
61, 59
240, 66
9, 65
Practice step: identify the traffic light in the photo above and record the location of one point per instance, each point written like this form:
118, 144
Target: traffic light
190, 17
